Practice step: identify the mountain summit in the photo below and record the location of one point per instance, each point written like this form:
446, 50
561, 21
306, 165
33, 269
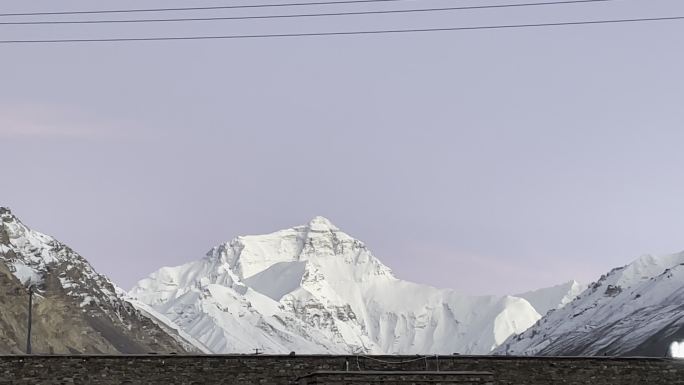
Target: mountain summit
321, 224
315, 289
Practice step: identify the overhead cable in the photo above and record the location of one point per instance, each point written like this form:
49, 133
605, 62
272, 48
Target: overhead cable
345, 33
269, 5
302, 15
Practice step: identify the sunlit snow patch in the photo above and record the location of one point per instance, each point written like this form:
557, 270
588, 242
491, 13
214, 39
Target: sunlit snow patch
25, 273
677, 349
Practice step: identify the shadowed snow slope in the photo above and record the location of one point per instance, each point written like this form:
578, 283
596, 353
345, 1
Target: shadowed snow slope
637, 309
315, 289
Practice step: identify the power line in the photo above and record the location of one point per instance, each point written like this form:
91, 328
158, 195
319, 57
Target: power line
376, 32
472, 7
201, 8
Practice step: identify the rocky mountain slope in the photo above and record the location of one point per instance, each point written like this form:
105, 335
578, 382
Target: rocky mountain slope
76, 310
637, 309
315, 289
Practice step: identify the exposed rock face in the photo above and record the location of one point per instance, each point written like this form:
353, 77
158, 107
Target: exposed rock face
637, 309
76, 310
12, 303
315, 289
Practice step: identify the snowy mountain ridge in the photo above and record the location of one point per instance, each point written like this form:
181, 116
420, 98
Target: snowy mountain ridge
634, 309
553, 298
315, 289
87, 312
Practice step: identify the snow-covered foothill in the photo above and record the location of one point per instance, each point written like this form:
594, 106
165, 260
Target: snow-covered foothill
632, 310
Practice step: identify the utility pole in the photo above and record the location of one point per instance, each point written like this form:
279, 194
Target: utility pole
30, 315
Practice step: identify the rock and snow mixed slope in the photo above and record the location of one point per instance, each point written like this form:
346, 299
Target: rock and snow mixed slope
315, 289
637, 309
76, 309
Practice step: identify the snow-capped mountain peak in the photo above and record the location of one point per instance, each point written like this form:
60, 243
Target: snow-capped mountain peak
315, 289
319, 246
321, 224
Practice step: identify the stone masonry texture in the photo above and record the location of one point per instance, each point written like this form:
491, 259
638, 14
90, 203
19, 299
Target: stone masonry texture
289, 369
402, 377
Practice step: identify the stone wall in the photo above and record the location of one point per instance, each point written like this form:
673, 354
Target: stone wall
285, 370
399, 377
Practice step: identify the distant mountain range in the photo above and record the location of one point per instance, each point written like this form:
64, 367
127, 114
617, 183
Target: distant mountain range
315, 289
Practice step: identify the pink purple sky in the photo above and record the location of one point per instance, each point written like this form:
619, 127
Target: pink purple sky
485, 161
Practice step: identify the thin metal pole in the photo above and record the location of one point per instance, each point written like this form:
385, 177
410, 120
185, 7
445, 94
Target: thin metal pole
30, 316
